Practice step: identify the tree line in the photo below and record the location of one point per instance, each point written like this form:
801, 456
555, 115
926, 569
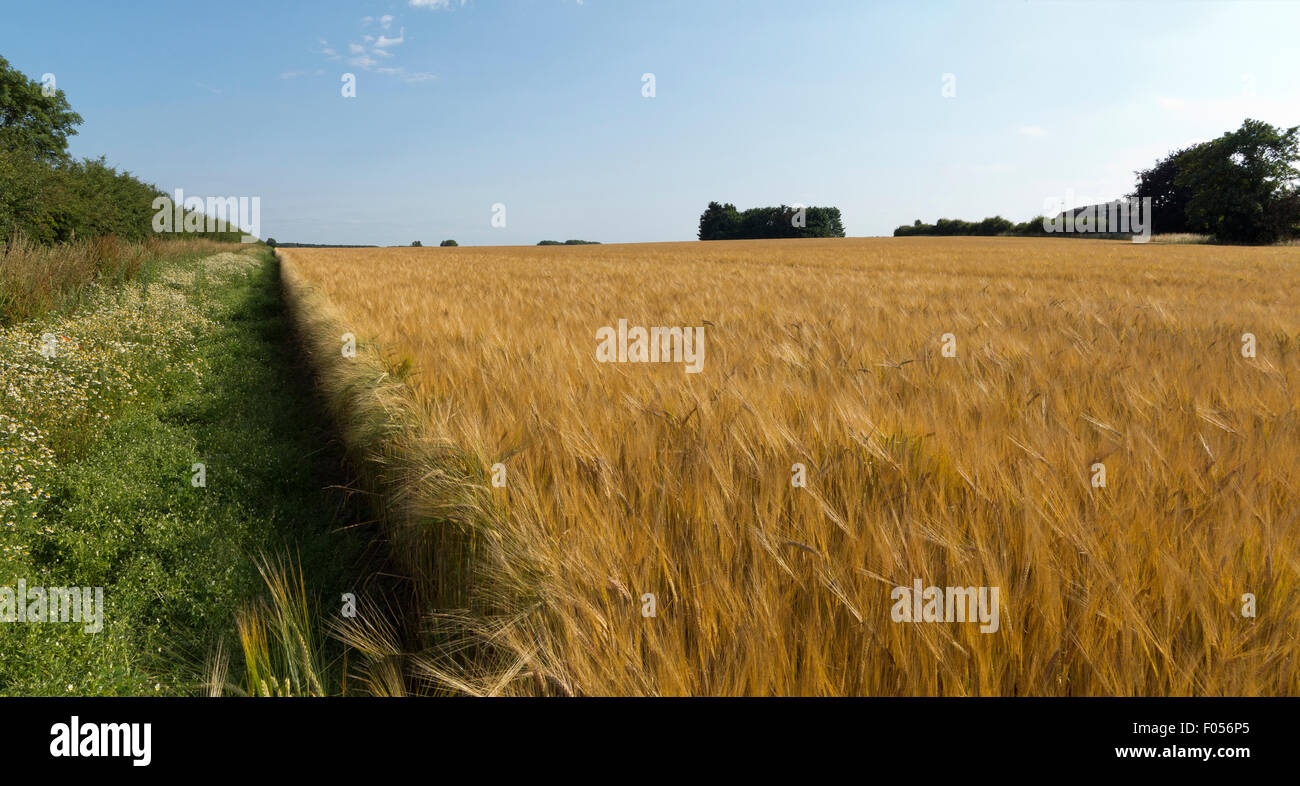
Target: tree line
1242, 187
725, 222
49, 197
995, 225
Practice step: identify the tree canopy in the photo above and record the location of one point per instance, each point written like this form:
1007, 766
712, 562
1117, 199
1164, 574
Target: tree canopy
32, 120
725, 222
1242, 186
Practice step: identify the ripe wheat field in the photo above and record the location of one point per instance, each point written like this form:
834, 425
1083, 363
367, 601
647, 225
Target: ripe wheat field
624, 481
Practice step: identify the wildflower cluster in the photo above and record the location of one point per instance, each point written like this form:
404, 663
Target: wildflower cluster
65, 377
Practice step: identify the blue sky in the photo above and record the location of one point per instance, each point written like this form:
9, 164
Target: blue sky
538, 105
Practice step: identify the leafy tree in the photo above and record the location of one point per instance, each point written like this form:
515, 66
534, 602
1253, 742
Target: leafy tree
1033, 226
26, 192
449, 243
1242, 186
948, 227
719, 222
996, 225
31, 119
270, 241
1168, 199
724, 222
417, 244
824, 222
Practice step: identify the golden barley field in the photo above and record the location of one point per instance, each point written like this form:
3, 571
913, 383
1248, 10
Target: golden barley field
624, 480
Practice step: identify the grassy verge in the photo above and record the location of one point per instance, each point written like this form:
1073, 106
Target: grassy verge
99, 442
36, 278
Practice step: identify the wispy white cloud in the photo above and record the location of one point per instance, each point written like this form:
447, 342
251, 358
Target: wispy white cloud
372, 51
410, 77
384, 42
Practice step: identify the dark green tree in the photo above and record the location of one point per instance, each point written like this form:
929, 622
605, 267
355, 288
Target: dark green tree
1242, 186
449, 243
1168, 199
719, 222
824, 222
32, 120
995, 225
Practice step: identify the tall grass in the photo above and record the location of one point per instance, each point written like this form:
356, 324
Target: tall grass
36, 278
281, 642
974, 470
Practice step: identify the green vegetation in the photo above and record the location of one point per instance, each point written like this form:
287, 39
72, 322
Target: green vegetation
192, 363
34, 117
449, 244
569, 243
36, 279
47, 196
1243, 186
67, 225
725, 222
994, 225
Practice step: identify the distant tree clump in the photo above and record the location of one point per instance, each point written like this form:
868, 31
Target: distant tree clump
724, 222
569, 243
319, 245
448, 243
945, 227
417, 244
